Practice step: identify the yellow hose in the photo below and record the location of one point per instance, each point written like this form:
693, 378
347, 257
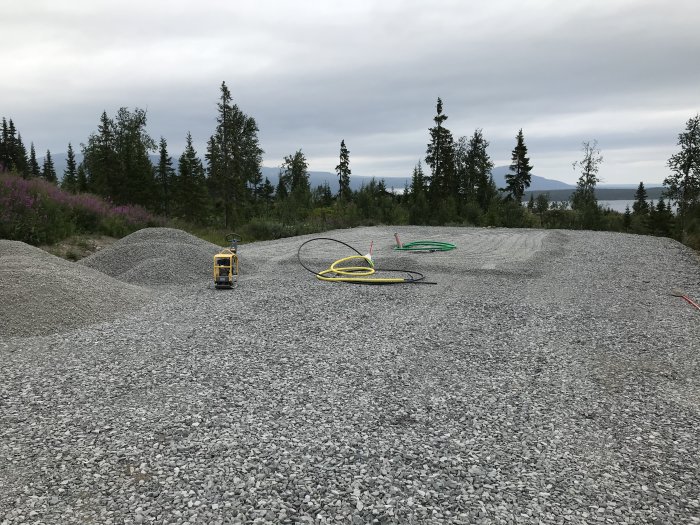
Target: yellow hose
349, 274
354, 273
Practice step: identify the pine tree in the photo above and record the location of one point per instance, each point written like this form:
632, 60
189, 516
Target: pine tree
164, 178
5, 147
295, 178
478, 170
191, 198
116, 159
136, 173
440, 158
627, 218
234, 158
418, 183
531, 203
542, 204
13, 155
81, 179
322, 196
100, 159
584, 194
48, 171
640, 205
418, 210
20, 156
343, 171
684, 182
518, 180
281, 192
583, 199
34, 170
266, 192
70, 174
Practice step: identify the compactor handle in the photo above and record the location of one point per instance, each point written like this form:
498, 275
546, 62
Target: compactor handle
233, 239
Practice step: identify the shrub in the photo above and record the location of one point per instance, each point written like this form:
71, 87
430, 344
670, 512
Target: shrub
38, 212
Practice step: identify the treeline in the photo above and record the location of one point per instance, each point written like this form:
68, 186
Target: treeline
226, 190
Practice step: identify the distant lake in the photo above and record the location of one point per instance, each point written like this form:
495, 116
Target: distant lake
616, 205
620, 205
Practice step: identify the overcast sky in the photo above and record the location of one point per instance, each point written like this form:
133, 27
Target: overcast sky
623, 72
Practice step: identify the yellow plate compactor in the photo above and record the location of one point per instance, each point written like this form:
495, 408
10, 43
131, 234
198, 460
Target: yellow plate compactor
226, 263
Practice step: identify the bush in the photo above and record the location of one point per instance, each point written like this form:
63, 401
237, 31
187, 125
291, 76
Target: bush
38, 212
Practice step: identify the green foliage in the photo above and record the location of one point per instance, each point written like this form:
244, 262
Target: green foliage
70, 174
684, 182
48, 171
583, 199
164, 178
518, 180
439, 157
234, 158
460, 189
12, 152
38, 212
33, 165
116, 160
343, 171
294, 192
190, 198
640, 206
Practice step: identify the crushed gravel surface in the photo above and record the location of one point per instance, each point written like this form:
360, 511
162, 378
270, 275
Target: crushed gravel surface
548, 377
43, 294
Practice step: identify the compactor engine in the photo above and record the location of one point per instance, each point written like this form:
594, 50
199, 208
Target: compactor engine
226, 264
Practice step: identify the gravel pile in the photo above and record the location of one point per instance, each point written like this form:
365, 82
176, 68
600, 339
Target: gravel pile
43, 294
548, 377
156, 257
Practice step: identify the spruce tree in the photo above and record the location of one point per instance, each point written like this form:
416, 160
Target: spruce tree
234, 158
640, 205
116, 159
583, 199
322, 196
478, 170
440, 158
12, 152
684, 182
5, 147
21, 164
281, 192
584, 194
266, 192
70, 174
164, 177
518, 180
295, 177
48, 171
34, 169
100, 159
343, 171
136, 175
627, 218
418, 183
191, 201
82, 181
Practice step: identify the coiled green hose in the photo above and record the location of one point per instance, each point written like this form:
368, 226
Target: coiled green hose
425, 246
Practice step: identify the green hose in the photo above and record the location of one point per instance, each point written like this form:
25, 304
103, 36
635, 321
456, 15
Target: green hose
425, 246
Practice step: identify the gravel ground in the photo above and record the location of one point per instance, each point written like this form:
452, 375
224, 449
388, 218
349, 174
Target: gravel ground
548, 377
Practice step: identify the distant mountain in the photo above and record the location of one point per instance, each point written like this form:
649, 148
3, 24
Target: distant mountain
318, 178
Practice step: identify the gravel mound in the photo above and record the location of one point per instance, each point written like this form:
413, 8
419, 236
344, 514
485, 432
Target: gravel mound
548, 377
156, 257
43, 294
